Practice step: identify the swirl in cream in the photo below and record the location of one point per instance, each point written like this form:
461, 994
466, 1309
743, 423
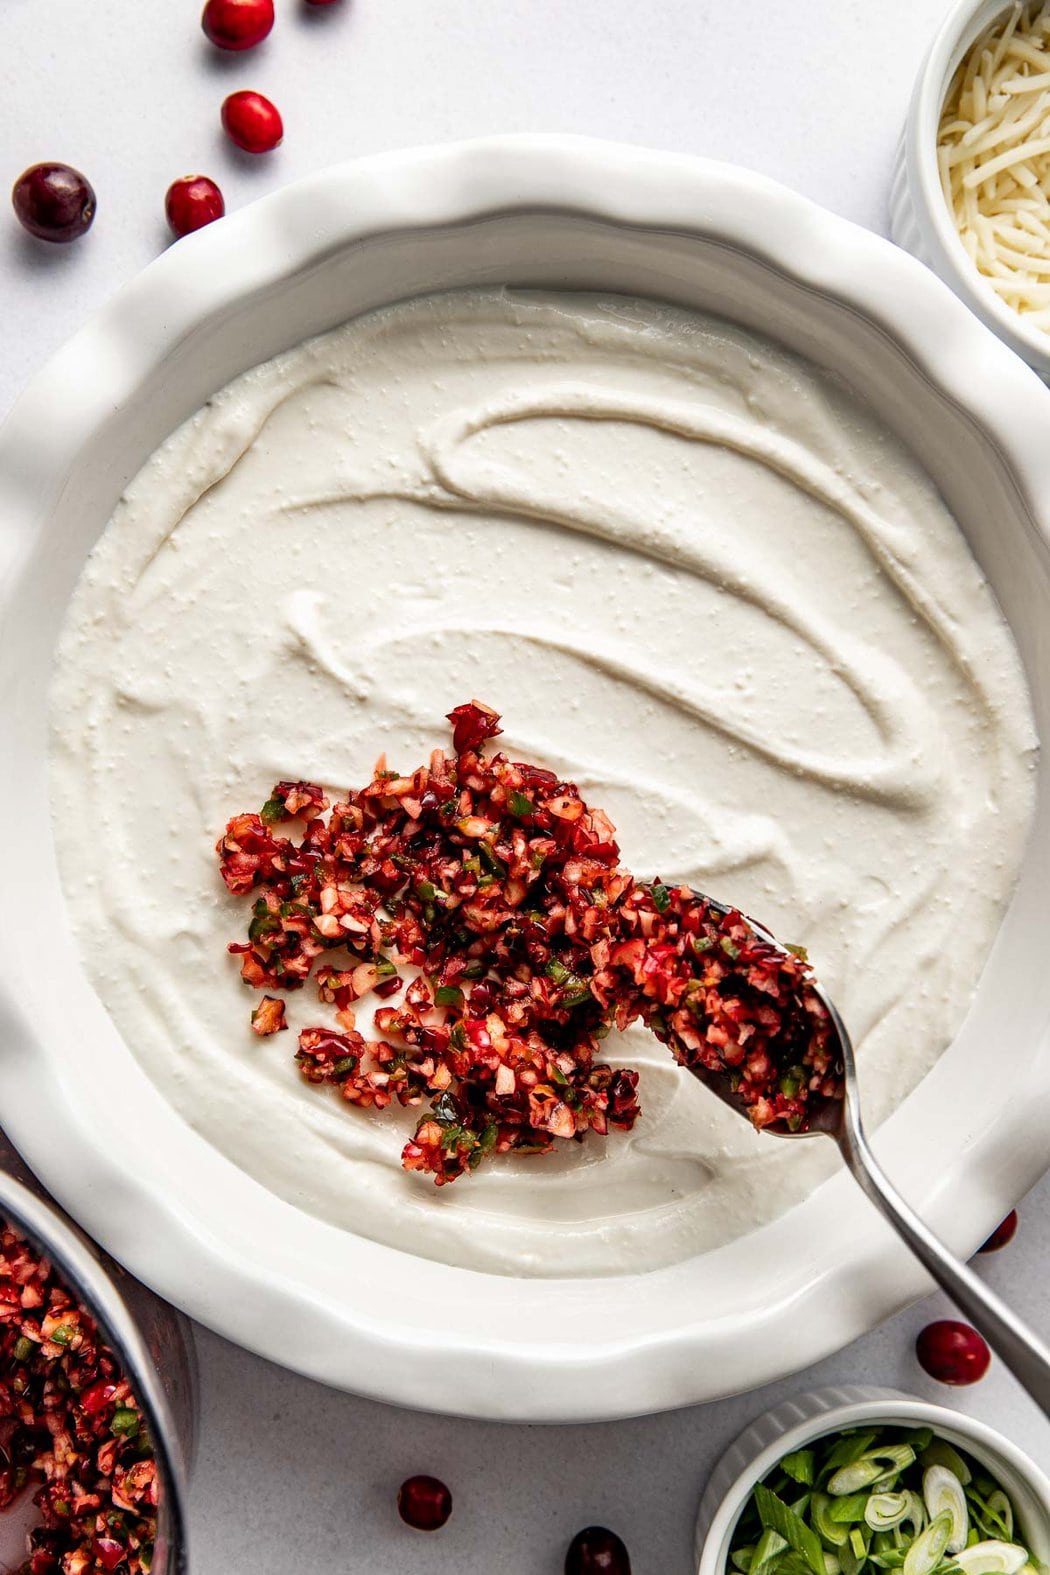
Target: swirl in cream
696, 577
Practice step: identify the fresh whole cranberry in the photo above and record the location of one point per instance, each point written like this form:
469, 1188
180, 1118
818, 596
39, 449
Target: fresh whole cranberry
597, 1551
54, 202
952, 1352
424, 1503
237, 24
193, 202
1003, 1233
252, 122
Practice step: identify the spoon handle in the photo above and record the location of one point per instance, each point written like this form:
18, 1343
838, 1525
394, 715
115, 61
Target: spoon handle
1012, 1341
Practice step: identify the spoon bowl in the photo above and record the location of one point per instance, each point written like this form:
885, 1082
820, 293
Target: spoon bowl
840, 1119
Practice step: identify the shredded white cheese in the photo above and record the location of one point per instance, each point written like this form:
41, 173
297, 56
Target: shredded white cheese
993, 155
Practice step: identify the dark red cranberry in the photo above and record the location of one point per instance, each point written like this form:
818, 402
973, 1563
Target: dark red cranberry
109, 1552
424, 1503
54, 202
952, 1352
1003, 1233
597, 1551
193, 202
237, 24
252, 122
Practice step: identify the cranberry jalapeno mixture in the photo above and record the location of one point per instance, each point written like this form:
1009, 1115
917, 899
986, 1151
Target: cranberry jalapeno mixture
489, 899
69, 1424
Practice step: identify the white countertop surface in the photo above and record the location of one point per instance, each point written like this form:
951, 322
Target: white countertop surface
291, 1478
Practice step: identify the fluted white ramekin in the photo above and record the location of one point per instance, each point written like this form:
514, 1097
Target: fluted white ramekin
920, 219
801, 1421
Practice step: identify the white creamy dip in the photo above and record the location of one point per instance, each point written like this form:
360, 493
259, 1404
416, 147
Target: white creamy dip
693, 574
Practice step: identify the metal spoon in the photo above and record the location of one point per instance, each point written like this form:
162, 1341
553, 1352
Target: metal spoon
840, 1119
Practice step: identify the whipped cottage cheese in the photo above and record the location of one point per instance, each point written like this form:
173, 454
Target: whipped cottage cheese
694, 575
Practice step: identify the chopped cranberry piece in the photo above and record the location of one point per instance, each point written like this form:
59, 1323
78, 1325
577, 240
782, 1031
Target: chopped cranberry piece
471, 725
597, 1551
268, 1017
1002, 1235
424, 1503
952, 1352
237, 24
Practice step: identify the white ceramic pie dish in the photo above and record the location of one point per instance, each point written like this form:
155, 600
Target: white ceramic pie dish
525, 211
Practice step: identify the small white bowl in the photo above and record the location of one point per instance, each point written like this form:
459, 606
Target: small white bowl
920, 219
801, 1421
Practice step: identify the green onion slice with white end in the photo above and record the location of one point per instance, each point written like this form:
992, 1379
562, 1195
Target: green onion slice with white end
916, 1517
992, 1558
944, 1495
999, 1505
928, 1549
853, 1479
883, 1511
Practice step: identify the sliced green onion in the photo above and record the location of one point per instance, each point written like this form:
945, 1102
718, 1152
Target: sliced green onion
850, 1479
828, 1529
23, 1349
941, 1453
768, 1546
741, 1559
883, 1511
519, 805
849, 1448
1000, 1508
859, 1543
800, 1467
916, 1517
851, 1564
943, 1494
776, 1516
897, 1456
448, 995
992, 1558
927, 1551
850, 1508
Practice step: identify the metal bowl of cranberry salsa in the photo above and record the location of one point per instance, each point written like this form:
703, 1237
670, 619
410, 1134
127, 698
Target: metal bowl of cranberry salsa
97, 1389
